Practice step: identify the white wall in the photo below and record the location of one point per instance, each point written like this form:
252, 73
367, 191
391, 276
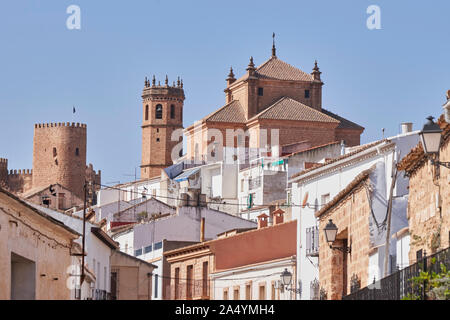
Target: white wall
258, 274
332, 182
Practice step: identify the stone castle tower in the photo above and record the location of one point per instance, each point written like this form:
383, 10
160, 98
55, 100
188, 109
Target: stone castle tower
59, 156
162, 115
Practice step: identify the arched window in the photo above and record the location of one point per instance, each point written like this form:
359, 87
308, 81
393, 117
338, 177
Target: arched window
158, 111
146, 112
54, 152
172, 111
77, 152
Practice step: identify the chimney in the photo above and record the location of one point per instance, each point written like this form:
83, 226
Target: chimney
202, 230
406, 127
263, 220
278, 216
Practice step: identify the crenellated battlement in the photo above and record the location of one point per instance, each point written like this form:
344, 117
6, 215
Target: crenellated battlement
2, 160
60, 124
21, 172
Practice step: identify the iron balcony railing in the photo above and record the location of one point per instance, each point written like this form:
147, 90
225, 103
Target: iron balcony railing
399, 285
312, 241
98, 294
190, 290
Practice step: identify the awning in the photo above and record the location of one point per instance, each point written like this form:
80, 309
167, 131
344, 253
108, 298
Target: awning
186, 174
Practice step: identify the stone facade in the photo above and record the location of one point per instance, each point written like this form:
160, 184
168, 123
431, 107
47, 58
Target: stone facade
162, 115
429, 199
351, 216
59, 157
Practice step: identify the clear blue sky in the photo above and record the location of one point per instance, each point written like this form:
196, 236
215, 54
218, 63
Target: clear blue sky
377, 78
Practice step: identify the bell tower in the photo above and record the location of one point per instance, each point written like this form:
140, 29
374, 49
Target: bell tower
162, 115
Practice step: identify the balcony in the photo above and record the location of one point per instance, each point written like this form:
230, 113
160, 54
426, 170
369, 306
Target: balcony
254, 183
190, 290
312, 241
100, 295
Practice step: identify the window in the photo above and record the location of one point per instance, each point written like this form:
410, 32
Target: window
260, 91
156, 286
54, 152
262, 292
77, 152
189, 271
306, 94
148, 249
158, 245
236, 295
158, 111
205, 279
225, 294
157, 139
177, 283
273, 291
325, 199
248, 291
138, 252
146, 112
172, 111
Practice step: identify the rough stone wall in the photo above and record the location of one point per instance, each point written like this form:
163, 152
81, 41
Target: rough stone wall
59, 155
429, 225
3, 172
351, 217
20, 181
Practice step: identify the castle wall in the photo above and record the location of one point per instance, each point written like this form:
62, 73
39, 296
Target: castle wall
19, 181
3, 172
59, 156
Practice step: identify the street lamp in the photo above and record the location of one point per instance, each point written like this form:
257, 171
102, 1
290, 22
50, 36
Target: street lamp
431, 136
286, 279
330, 235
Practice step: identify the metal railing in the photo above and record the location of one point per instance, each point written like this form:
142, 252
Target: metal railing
399, 284
190, 290
98, 294
312, 241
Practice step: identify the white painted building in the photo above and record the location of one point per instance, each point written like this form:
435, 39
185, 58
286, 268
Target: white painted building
261, 281
151, 239
98, 253
313, 188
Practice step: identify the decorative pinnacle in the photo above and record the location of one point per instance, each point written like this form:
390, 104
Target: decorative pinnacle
316, 68
231, 74
274, 50
167, 80
145, 82
251, 66
178, 82
181, 85
153, 81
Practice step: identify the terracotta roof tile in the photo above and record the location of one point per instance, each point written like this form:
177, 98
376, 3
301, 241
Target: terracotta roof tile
344, 123
358, 150
231, 112
277, 69
290, 109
